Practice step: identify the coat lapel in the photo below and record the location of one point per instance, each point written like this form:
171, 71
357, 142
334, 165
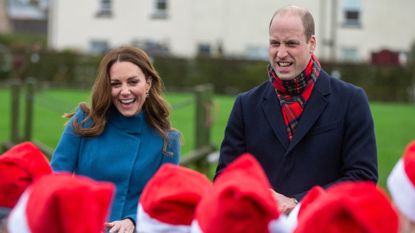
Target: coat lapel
315, 106
270, 106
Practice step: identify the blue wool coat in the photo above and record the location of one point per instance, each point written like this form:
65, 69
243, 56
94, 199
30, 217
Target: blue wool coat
127, 153
334, 140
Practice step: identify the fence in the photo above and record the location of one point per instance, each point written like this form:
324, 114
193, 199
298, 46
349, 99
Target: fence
198, 158
15, 137
203, 146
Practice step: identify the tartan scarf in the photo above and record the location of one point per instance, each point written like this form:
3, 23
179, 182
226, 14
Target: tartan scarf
294, 94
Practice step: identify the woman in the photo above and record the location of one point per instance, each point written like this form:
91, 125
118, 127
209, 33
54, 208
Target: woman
125, 136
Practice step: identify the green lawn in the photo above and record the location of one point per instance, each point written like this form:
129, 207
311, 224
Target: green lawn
50, 106
395, 128
394, 122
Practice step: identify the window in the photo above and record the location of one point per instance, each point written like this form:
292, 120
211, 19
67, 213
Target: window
98, 46
152, 47
203, 50
352, 18
161, 5
256, 52
104, 8
352, 10
349, 54
160, 9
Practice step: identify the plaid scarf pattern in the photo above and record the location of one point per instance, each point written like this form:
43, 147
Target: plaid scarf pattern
294, 94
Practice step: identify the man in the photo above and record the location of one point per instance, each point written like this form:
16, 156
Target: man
304, 127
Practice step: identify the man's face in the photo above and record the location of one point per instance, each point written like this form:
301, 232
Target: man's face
289, 50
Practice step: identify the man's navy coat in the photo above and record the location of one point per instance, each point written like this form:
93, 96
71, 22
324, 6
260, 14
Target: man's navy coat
334, 140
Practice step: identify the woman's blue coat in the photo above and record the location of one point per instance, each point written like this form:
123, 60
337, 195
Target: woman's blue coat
127, 153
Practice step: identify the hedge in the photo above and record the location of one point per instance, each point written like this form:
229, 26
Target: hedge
228, 76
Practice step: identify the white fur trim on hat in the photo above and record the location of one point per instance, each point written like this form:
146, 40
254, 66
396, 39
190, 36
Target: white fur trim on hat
402, 190
195, 228
292, 219
280, 225
17, 222
147, 224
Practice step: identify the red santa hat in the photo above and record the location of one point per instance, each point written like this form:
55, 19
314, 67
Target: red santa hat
19, 167
62, 203
240, 201
401, 183
350, 207
308, 200
169, 199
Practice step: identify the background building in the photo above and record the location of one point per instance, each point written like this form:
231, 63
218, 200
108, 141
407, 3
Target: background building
347, 30
24, 16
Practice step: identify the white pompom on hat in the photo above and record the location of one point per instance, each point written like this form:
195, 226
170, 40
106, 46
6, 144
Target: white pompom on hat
62, 203
401, 183
169, 199
240, 201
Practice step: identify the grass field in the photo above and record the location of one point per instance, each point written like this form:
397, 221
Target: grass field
394, 122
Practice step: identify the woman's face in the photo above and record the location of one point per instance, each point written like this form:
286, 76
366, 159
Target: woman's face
128, 87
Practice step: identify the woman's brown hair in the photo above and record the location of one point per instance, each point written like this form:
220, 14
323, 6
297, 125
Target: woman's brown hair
155, 107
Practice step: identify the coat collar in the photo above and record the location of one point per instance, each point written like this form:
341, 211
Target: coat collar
314, 107
133, 125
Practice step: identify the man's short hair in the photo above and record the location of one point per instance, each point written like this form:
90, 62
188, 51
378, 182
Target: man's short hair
306, 18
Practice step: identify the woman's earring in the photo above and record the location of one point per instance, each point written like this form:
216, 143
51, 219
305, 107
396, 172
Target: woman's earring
147, 94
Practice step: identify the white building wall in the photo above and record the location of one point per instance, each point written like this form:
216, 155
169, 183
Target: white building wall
239, 26
131, 21
385, 25
69, 25
208, 23
175, 31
